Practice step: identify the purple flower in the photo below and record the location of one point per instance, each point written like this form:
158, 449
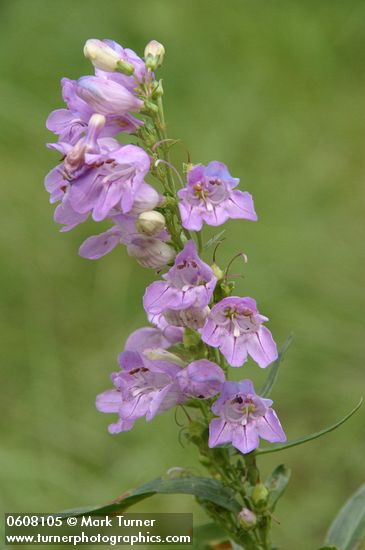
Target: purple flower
210, 197
192, 317
243, 418
69, 124
235, 327
129, 56
112, 181
100, 176
189, 283
151, 252
148, 338
202, 379
107, 97
142, 388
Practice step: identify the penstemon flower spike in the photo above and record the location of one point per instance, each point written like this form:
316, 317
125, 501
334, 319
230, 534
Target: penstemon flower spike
198, 328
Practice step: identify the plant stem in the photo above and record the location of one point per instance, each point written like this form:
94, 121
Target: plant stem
200, 241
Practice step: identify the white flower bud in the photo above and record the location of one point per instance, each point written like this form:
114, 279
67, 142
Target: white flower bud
150, 223
192, 317
151, 252
160, 354
247, 519
153, 54
101, 55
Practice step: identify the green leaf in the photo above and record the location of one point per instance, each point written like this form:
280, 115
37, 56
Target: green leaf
328, 548
202, 487
348, 529
276, 483
207, 535
214, 239
274, 369
310, 437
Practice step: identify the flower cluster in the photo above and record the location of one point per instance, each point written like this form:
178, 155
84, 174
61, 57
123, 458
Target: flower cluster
198, 328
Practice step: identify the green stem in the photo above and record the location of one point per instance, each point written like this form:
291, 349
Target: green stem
200, 242
161, 128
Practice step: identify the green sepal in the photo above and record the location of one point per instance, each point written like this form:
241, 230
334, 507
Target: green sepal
191, 338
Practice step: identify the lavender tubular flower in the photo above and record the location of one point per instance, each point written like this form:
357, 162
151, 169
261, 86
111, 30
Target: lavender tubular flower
142, 388
69, 124
202, 379
189, 283
148, 338
210, 197
103, 57
126, 56
192, 317
113, 183
244, 417
151, 252
235, 327
101, 177
107, 97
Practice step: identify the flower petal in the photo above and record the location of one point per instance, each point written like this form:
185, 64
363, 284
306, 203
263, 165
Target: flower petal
97, 246
245, 438
269, 427
262, 347
234, 350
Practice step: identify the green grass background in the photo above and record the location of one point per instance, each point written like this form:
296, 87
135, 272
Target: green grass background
275, 89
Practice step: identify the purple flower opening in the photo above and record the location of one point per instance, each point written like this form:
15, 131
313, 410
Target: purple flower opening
189, 283
142, 388
244, 417
71, 123
235, 327
210, 197
147, 338
151, 252
202, 379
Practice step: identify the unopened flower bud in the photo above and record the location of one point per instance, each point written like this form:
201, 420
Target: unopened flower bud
145, 199
151, 252
150, 223
260, 494
153, 54
192, 317
101, 55
187, 166
158, 91
247, 519
217, 271
159, 354
106, 96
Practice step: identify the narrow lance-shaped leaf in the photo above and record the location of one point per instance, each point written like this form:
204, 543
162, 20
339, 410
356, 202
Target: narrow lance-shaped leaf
277, 483
267, 386
348, 529
316, 435
202, 487
214, 239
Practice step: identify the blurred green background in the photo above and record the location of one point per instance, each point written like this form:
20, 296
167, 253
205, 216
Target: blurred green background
277, 91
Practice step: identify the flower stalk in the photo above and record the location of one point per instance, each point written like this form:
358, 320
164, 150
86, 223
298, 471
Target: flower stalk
199, 330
